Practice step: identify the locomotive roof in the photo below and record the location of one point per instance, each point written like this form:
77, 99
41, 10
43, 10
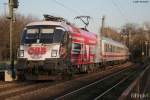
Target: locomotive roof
63, 24
113, 42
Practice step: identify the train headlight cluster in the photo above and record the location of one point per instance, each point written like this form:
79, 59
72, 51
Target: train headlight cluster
54, 53
21, 53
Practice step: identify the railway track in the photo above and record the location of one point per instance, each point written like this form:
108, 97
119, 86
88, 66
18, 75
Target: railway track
6, 86
18, 88
51, 90
103, 89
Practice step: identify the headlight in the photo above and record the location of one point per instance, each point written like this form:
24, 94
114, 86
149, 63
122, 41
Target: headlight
54, 53
21, 53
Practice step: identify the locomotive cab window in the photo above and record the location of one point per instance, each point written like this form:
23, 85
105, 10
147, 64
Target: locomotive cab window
59, 35
32, 31
30, 35
46, 35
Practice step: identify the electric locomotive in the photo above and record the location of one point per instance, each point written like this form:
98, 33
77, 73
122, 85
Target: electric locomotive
54, 47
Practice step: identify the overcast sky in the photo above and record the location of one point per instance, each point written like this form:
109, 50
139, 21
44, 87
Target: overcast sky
117, 12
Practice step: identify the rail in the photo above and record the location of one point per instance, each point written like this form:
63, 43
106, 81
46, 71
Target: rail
138, 87
92, 85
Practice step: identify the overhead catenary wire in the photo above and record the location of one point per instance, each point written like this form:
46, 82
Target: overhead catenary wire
119, 10
66, 7
69, 9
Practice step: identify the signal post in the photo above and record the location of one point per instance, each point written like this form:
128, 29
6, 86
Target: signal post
12, 5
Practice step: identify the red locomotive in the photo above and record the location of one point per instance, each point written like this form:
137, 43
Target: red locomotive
51, 47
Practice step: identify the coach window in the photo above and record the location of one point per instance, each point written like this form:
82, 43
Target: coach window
119, 49
105, 47
109, 48
115, 49
112, 48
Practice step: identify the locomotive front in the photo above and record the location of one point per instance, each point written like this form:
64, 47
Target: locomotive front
43, 50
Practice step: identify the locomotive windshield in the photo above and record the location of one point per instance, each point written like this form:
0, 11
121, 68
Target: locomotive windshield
43, 34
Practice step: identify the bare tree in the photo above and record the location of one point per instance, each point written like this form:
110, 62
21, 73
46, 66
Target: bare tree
136, 37
19, 24
112, 33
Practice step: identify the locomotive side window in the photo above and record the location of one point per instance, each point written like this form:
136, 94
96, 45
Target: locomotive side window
76, 50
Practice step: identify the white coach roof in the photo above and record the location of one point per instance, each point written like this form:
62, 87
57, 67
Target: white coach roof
113, 42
